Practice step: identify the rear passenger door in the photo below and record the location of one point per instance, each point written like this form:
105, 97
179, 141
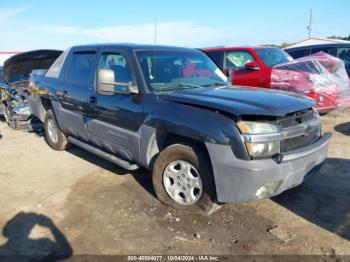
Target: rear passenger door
114, 120
74, 92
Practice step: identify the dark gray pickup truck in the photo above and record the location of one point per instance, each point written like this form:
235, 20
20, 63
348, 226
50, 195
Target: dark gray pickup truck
172, 111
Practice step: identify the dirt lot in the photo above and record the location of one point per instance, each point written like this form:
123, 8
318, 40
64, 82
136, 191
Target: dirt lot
77, 203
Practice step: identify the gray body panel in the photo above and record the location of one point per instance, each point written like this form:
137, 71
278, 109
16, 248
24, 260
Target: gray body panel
238, 180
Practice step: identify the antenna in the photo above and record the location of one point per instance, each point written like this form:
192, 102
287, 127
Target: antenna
155, 31
309, 27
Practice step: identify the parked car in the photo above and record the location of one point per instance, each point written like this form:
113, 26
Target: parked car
254, 66
14, 90
206, 142
320, 76
340, 50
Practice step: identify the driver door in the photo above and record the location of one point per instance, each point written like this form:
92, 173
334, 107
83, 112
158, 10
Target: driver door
114, 120
235, 61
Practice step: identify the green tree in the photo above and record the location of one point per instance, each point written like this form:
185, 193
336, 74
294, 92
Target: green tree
283, 45
339, 37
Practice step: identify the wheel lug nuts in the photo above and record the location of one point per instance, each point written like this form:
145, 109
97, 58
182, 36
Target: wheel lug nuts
188, 179
178, 177
178, 184
188, 186
183, 175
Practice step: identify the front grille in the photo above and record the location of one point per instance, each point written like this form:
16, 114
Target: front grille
299, 141
296, 118
293, 120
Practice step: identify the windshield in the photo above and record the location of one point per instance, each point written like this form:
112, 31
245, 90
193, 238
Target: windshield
273, 56
166, 70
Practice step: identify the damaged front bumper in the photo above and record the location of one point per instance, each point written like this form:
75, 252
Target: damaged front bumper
239, 180
21, 118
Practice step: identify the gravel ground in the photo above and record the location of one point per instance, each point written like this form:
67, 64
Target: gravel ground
73, 202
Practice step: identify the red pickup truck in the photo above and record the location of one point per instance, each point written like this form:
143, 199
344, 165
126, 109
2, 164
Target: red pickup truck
257, 66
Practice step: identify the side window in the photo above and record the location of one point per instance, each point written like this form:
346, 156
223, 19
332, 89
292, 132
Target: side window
343, 53
80, 68
237, 59
328, 50
299, 53
216, 57
117, 63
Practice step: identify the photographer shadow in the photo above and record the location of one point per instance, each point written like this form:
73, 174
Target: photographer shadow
20, 247
343, 128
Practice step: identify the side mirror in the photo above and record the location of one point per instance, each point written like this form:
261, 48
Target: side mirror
106, 84
251, 66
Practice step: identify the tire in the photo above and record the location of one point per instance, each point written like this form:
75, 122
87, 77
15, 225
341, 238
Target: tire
172, 158
56, 141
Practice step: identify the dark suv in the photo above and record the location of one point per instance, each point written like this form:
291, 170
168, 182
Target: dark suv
206, 142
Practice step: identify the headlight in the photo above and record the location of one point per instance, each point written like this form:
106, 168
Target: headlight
247, 127
261, 148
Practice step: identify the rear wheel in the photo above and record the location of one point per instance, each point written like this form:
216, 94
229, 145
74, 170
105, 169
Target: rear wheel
183, 179
54, 136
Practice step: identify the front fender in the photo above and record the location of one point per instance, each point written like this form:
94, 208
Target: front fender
199, 124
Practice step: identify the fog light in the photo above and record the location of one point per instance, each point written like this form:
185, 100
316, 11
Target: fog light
268, 189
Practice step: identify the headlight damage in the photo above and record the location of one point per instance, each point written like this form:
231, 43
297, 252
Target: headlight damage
262, 148
266, 139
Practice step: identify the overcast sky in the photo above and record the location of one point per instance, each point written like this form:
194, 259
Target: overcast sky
27, 25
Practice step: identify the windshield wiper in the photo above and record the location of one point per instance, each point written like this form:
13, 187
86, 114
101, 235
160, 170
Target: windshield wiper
180, 86
215, 84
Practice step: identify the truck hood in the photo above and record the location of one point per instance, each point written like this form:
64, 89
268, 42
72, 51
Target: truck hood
18, 67
240, 101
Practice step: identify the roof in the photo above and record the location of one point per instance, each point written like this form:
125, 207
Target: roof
131, 46
215, 48
317, 41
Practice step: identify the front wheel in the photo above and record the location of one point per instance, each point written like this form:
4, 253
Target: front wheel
183, 179
54, 136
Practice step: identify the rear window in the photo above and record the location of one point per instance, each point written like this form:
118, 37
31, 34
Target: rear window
55, 69
344, 54
80, 68
299, 53
329, 50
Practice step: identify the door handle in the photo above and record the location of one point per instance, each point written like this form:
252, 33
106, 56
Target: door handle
92, 99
